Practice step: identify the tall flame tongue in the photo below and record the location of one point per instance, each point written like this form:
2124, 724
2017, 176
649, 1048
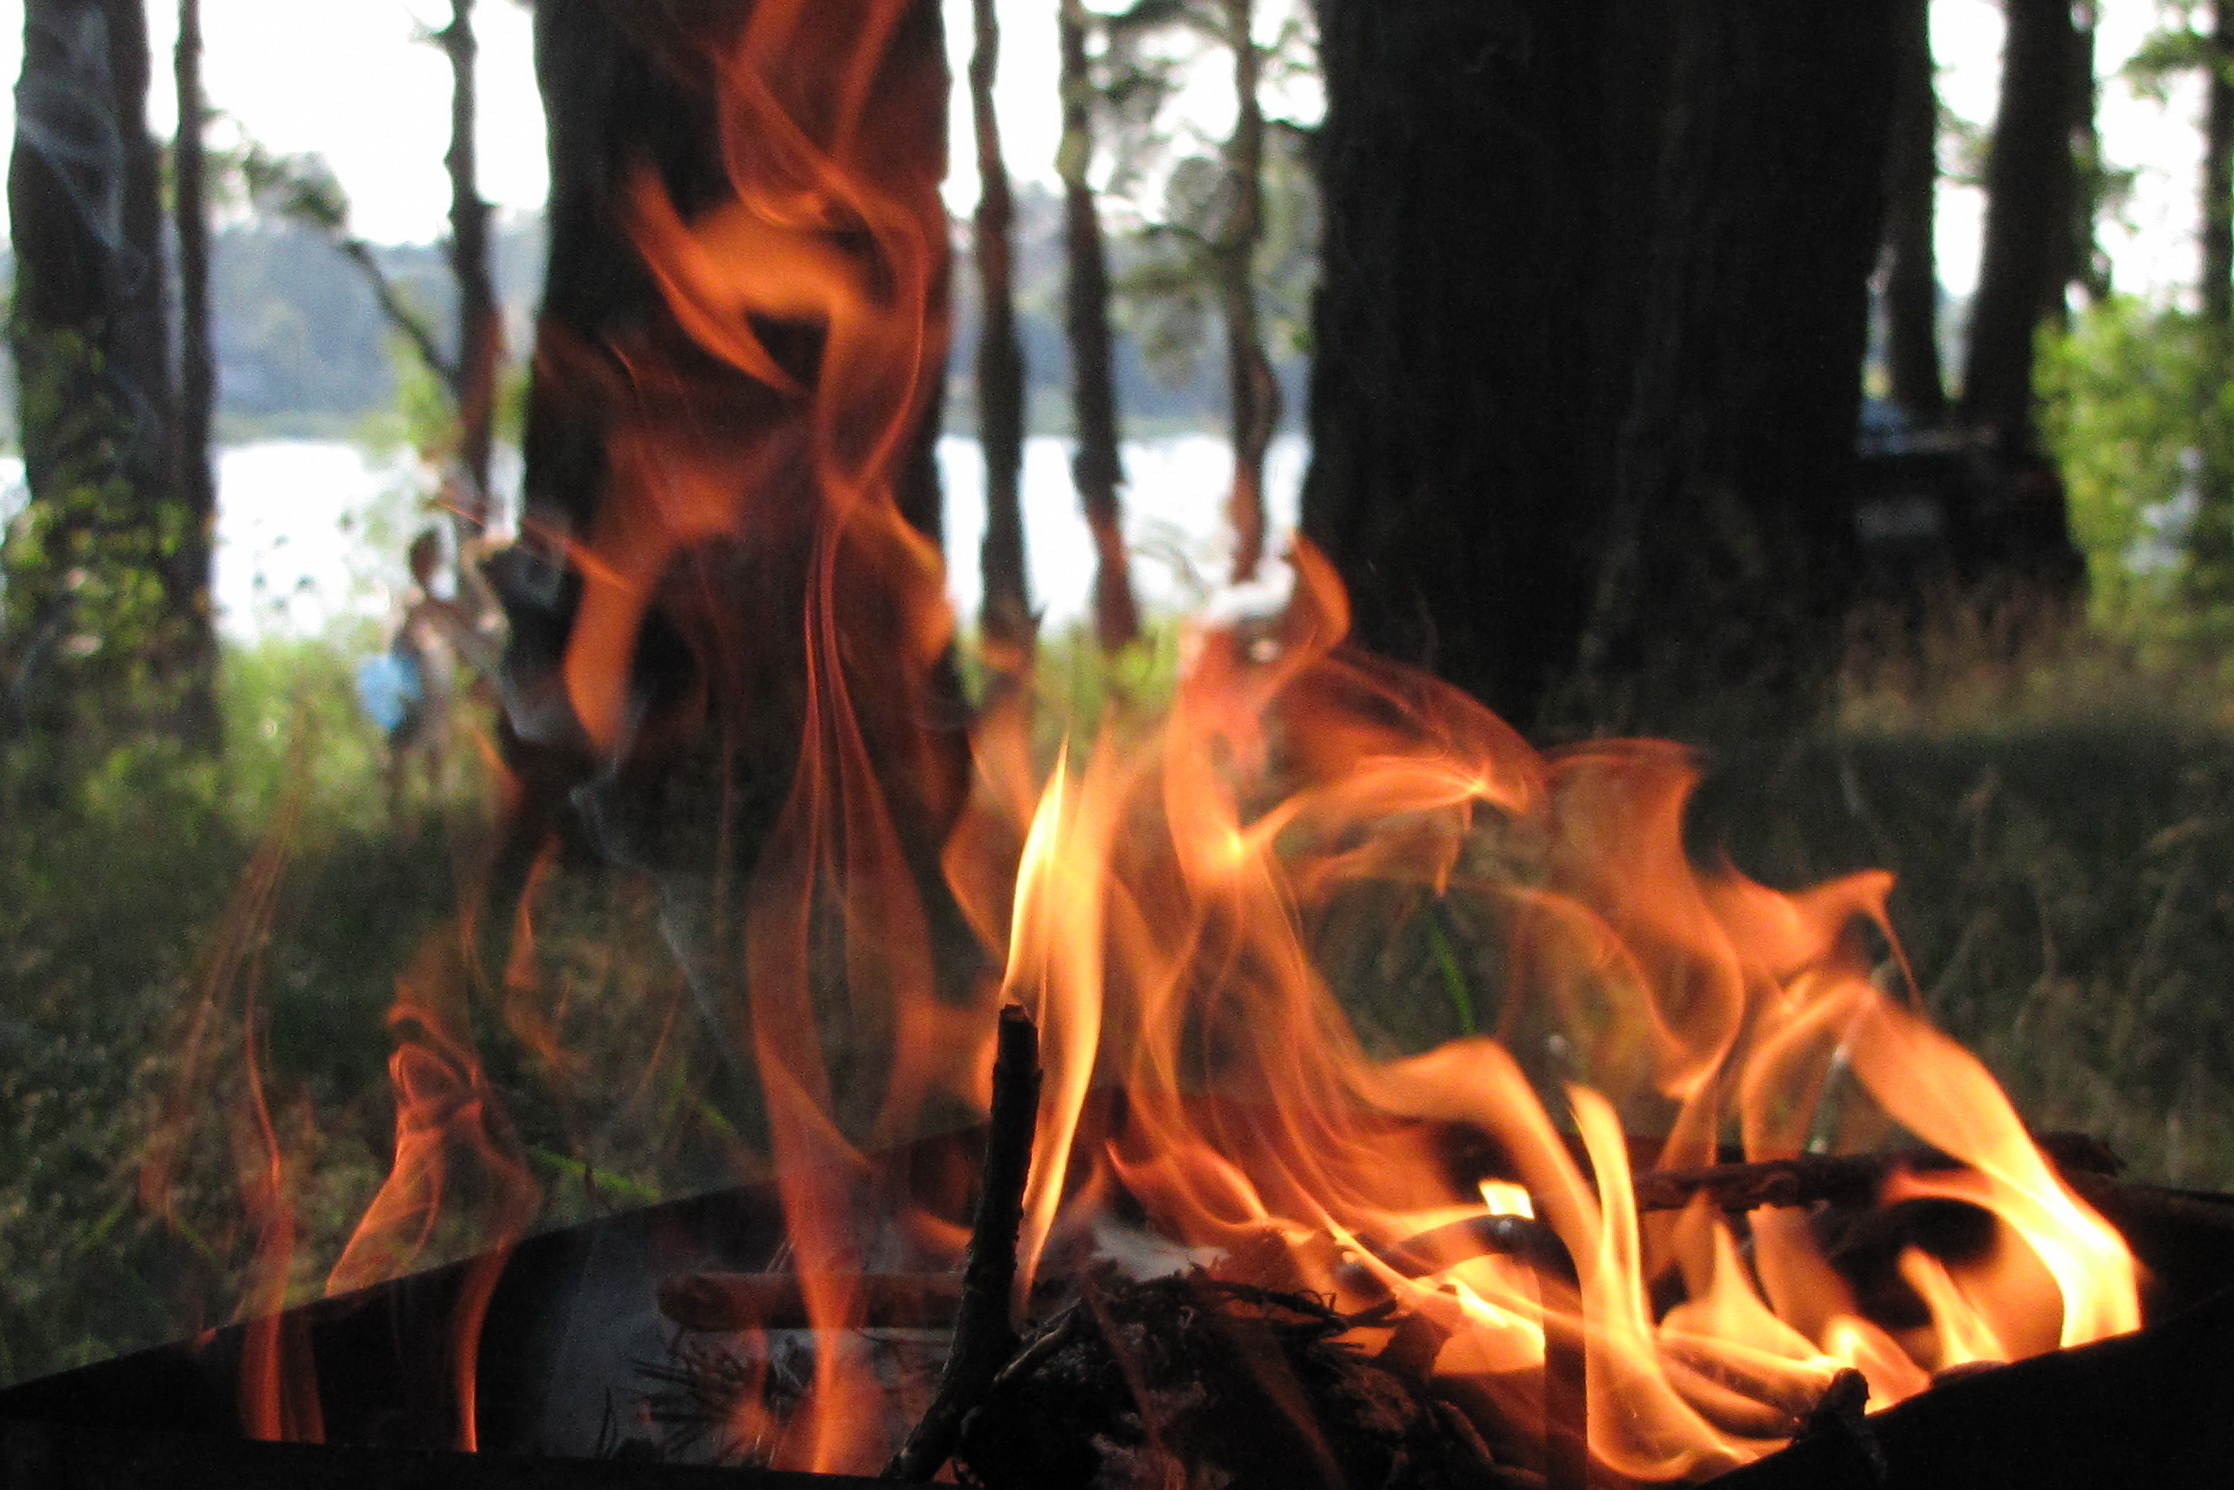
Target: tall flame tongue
1180, 891
833, 231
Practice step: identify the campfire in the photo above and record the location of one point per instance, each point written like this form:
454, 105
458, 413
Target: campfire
1686, 1173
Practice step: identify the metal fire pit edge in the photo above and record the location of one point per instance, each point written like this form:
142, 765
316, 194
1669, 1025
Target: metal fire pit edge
45, 1456
2152, 1409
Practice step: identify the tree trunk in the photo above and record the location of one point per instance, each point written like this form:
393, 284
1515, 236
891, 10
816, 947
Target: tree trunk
2089, 270
1481, 170
719, 647
480, 340
2218, 173
87, 563
1912, 186
2029, 194
1730, 558
1005, 613
1589, 346
1252, 391
1097, 468
193, 480
2210, 546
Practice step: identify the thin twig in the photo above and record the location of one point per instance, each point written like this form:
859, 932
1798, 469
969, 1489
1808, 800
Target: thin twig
1852, 1179
984, 1334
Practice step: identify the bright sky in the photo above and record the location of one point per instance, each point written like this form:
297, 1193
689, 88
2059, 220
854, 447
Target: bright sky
346, 78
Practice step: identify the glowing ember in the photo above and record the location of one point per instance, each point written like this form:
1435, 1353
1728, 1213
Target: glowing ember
1181, 889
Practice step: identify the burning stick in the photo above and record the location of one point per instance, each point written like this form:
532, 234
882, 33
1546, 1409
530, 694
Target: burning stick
984, 1334
1852, 1179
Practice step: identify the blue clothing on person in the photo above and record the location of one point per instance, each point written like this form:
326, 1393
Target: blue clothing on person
390, 688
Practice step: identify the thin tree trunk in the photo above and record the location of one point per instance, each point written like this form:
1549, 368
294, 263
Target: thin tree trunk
1005, 613
193, 480
2218, 173
92, 354
1912, 184
2029, 195
2090, 266
1097, 468
480, 340
2210, 575
1252, 390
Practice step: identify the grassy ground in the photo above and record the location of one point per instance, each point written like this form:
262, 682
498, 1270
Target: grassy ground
2063, 897
2064, 842
106, 903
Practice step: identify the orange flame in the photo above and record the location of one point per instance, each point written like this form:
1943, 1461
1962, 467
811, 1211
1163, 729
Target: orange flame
450, 1133
1193, 910
278, 1399
1166, 911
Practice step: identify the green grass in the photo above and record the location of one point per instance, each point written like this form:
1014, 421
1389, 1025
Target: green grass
2065, 895
107, 902
119, 906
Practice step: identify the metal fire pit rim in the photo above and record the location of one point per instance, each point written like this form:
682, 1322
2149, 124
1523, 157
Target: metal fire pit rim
52, 1456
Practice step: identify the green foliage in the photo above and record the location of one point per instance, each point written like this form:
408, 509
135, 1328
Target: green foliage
423, 419
108, 892
2169, 53
2136, 409
86, 620
1185, 192
1169, 279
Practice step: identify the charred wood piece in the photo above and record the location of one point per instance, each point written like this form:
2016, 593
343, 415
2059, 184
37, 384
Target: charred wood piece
1839, 1179
1566, 1373
1242, 1386
1840, 1417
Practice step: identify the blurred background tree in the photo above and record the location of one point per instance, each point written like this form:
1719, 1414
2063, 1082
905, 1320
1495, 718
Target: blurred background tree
108, 628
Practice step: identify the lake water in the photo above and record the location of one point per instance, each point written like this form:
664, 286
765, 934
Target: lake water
311, 533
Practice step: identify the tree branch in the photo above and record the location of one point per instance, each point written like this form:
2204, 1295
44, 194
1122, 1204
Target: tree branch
397, 311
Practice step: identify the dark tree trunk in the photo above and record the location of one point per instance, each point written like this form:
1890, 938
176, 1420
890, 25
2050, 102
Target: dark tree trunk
480, 339
1589, 346
2030, 190
2210, 573
1731, 555
1097, 468
193, 479
2218, 173
770, 665
1005, 613
1253, 393
1912, 185
92, 354
1481, 172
